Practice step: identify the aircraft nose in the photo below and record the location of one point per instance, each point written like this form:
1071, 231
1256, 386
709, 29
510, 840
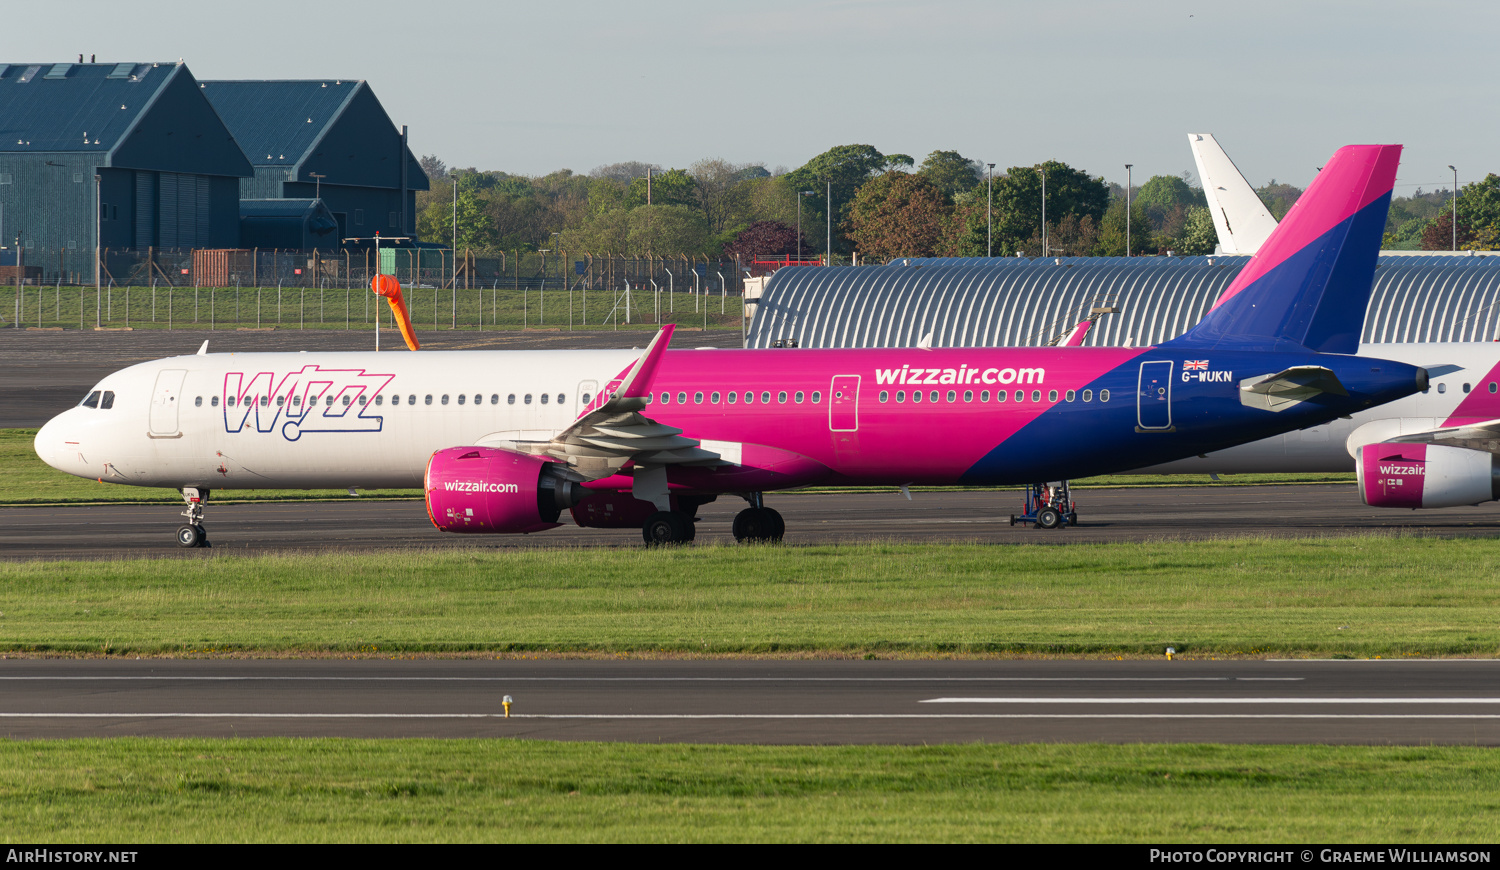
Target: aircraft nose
48, 443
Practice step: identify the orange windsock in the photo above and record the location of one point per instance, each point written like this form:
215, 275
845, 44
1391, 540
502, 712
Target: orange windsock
390, 288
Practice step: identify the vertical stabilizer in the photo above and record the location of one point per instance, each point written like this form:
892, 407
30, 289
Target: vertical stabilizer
1240, 217
1309, 285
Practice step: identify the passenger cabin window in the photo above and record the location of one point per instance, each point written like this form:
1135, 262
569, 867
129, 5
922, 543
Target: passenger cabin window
885, 396
462, 397
900, 395
213, 401
587, 398
765, 398
968, 395
734, 397
494, 398
1000, 395
1088, 395
1104, 395
1442, 388
428, 399
916, 395
781, 397
697, 398
478, 399
714, 397
749, 397
544, 398
527, 399
800, 397
933, 396
1052, 395
1466, 388
952, 396
682, 398
198, 402
984, 395
817, 397
510, 399
445, 398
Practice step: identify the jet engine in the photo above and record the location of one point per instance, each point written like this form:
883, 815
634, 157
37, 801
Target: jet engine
1426, 475
487, 489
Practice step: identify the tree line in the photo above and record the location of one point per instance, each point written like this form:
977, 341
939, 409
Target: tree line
882, 206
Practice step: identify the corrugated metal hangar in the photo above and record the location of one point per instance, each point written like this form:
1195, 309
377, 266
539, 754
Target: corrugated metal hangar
1009, 302
176, 157
293, 131
168, 168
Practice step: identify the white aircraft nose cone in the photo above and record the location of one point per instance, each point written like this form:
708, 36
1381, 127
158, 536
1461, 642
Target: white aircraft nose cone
48, 444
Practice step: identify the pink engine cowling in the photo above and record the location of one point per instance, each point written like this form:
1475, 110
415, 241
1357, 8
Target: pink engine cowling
1426, 475
487, 489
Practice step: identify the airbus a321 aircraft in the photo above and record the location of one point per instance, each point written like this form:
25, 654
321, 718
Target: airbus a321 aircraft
505, 441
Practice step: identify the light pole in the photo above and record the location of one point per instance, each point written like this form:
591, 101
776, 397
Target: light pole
828, 243
989, 209
1044, 209
1127, 209
96, 249
317, 178
800, 194
1455, 207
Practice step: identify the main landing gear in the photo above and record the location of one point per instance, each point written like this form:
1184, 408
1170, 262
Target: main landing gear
1048, 507
758, 523
668, 527
193, 534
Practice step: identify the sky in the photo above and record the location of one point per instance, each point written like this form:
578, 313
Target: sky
535, 87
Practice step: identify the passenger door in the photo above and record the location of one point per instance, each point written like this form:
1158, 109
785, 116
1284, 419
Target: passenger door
164, 401
1153, 397
843, 403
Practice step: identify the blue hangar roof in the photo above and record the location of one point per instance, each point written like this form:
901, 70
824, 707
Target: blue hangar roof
134, 115
330, 126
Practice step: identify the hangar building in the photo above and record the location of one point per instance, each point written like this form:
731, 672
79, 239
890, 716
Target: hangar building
169, 170
294, 130
1009, 302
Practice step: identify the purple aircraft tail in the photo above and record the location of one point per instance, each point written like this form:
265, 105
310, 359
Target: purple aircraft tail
1309, 284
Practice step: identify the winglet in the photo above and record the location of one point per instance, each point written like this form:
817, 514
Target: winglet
637, 382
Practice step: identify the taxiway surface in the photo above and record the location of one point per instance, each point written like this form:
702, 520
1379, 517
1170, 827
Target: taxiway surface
1365, 702
1106, 515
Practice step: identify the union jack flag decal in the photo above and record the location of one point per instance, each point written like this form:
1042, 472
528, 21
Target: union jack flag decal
1195, 363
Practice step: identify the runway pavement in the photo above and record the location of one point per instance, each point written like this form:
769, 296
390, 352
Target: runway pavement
1172, 513
1364, 702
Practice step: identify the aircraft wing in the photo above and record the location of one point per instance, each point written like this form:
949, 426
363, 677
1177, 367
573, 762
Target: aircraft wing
1289, 387
613, 431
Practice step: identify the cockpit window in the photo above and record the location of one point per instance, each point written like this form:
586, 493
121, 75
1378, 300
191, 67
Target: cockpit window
107, 401
91, 400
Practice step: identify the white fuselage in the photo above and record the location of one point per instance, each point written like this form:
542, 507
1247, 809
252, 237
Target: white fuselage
316, 415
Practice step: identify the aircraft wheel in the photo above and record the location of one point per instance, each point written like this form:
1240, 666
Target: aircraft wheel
667, 527
758, 525
190, 536
1048, 518
778, 525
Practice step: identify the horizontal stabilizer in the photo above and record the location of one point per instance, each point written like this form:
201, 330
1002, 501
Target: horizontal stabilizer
1290, 387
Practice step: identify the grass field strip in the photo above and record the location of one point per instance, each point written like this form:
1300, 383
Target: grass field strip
678, 679
1265, 701
750, 716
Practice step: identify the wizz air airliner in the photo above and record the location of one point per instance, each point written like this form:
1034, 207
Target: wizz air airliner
503, 442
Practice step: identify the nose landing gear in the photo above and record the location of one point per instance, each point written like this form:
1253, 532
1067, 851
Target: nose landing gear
193, 534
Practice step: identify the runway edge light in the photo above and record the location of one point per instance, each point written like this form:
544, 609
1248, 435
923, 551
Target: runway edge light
506, 702
1170, 653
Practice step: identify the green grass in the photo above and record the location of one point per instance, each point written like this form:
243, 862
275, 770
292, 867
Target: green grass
1323, 597
129, 790
334, 308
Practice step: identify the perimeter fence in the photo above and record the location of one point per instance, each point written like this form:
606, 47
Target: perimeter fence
265, 288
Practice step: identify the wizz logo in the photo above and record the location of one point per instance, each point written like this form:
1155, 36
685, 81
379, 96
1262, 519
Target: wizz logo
312, 399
